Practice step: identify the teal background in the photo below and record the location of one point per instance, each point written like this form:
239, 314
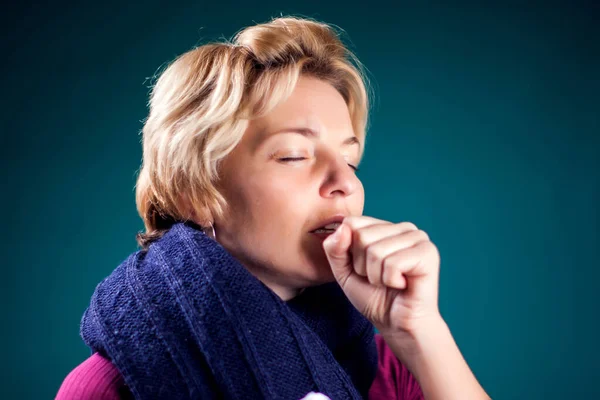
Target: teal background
485, 134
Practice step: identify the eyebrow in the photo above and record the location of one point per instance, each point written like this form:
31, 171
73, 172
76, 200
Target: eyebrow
352, 140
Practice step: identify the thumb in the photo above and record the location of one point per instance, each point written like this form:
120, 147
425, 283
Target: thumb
336, 248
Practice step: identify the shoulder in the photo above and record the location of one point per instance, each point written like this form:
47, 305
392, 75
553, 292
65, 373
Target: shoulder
393, 380
95, 378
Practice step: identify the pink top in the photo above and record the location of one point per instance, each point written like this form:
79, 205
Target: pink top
98, 379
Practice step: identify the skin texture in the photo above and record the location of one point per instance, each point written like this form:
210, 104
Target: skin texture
390, 272
279, 184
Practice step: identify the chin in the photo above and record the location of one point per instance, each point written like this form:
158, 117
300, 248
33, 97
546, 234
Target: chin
320, 274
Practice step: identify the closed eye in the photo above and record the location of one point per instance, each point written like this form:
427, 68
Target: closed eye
286, 159
291, 159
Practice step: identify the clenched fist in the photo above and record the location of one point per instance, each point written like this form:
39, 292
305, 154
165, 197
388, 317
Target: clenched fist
390, 272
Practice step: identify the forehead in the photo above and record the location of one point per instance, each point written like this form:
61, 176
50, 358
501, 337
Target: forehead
315, 105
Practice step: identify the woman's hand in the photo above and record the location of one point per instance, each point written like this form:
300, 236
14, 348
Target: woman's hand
390, 272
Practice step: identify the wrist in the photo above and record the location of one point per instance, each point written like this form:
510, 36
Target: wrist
432, 356
422, 336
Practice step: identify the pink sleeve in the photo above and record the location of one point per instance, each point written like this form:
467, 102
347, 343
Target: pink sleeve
94, 379
393, 380
98, 379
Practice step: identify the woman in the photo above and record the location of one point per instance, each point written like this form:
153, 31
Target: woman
258, 275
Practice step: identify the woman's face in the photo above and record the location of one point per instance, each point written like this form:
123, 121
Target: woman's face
281, 182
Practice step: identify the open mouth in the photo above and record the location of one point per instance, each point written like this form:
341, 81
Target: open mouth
327, 229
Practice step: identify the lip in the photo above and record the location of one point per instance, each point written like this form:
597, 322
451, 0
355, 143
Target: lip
322, 236
330, 220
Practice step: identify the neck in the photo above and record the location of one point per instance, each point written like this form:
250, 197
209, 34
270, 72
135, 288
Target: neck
285, 293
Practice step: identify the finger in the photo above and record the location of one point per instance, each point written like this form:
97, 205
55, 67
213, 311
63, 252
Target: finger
377, 252
366, 236
404, 263
336, 247
355, 223
361, 221
357, 289
374, 256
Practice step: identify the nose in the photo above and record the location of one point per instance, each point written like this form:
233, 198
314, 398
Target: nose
340, 179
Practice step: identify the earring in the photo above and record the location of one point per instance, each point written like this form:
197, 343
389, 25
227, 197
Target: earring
210, 231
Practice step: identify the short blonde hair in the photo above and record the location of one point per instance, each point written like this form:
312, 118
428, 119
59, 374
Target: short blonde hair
201, 104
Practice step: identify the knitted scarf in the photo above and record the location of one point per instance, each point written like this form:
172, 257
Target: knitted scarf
185, 320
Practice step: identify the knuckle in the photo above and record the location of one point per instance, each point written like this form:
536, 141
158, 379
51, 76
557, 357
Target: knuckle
337, 256
421, 234
353, 221
391, 274
425, 244
409, 226
373, 255
361, 237
373, 279
431, 249
349, 220
435, 251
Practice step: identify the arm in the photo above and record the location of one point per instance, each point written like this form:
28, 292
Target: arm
433, 357
393, 380
390, 273
96, 378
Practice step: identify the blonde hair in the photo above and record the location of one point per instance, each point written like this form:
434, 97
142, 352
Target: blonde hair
202, 102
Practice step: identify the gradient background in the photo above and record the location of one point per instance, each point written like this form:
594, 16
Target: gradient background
485, 133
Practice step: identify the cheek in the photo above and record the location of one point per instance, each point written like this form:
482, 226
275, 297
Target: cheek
356, 201
279, 200
267, 203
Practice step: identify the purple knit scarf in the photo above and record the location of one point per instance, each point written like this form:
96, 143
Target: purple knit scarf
185, 320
